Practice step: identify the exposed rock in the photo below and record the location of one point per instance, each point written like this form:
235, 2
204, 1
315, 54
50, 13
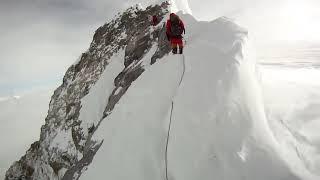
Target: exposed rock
130, 31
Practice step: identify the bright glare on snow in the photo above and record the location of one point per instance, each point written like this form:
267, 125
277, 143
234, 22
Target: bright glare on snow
216, 133
220, 129
297, 20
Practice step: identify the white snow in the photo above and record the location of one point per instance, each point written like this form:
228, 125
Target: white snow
147, 58
222, 128
94, 103
292, 103
63, 141
219, 126
134, 134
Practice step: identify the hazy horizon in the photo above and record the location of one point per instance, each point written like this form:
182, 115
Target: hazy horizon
41, 39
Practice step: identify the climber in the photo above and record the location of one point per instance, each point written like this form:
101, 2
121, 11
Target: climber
175, 29
155, 20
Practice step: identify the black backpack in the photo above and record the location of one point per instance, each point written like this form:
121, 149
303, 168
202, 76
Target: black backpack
176, 28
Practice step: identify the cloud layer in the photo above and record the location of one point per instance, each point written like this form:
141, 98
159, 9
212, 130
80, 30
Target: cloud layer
41, 38
21, 119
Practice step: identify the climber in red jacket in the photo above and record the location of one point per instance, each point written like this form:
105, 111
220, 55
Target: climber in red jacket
175, 29
155, 20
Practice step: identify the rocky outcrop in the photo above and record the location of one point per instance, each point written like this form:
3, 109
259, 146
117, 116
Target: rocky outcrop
131, 32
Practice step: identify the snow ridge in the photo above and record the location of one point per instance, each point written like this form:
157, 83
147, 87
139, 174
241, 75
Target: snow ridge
112, 63
128, 109
170, 122
211, 126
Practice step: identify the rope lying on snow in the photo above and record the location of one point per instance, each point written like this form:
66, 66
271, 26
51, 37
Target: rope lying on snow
168, 135
171, 112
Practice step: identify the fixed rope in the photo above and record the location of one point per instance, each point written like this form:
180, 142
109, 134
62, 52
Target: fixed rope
171, 112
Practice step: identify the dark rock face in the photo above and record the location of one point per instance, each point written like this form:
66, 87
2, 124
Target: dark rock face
130, 32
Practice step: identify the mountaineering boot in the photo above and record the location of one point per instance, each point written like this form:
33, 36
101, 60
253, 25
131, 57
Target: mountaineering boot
174, 50
181, 50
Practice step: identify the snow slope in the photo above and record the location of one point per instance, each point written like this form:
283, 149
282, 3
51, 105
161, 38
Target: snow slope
137, 132
218, 126
199, 115
292, 103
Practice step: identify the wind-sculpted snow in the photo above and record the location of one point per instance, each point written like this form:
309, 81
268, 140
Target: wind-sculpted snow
218, 124
130, 110
220, 130
65, 147
135, 133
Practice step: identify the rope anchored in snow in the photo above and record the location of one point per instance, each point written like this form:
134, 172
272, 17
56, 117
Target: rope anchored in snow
168, 135
171, 112
184, 70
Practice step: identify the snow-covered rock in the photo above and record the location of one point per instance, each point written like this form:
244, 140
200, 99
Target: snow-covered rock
211, 126
65, 147
128, 109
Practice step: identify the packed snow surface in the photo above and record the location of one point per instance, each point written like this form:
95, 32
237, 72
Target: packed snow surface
218, 128
201, 115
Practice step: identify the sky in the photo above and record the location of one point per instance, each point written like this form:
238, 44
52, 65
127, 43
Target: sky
269, 21
40, 39
21, 121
